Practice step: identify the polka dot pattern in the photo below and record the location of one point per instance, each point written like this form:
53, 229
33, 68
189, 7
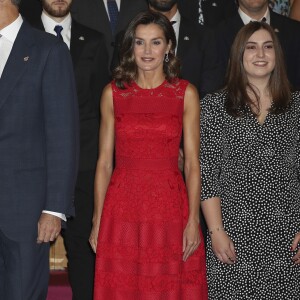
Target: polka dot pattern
255, 170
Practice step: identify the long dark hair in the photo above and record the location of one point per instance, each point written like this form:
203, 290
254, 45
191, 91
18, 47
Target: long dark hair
237, 82
126, 72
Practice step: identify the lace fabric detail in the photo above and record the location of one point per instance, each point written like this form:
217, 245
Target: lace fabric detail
139, 254
176, 90
159, 196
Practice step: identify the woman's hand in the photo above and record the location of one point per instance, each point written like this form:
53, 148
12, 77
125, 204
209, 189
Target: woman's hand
191, 239
223, 247
94, 234
296, 241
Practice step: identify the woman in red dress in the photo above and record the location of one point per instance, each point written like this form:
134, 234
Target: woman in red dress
146, 220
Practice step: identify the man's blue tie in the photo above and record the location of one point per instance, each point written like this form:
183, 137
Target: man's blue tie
58, 29
113, 14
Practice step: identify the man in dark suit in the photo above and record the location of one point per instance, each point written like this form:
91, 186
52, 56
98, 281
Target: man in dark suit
288, 32
90, 61
196, 48
95, 14
38, 150
207, 12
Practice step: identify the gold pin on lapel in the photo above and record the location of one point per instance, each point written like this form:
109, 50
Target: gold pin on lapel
81, 38
26, 58
186, 38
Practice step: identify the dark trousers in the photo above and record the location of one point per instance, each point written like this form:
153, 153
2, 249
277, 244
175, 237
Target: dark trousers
24, 269
81, 258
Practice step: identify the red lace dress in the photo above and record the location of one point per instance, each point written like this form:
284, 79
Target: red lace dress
139, 253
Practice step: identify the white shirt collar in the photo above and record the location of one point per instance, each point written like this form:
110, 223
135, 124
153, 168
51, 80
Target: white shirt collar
66, 23
176, 17
246, 19
49, 24
11, 31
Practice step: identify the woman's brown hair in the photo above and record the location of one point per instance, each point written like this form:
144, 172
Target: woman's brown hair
236, 78
126, 72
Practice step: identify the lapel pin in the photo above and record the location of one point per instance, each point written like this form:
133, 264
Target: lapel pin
276, 30
26, 58
186, 38
214, 4
81, 38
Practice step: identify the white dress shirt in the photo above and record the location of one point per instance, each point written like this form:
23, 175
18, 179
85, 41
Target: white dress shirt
8, 37
176, 18
105, 4
246, 19
66, 23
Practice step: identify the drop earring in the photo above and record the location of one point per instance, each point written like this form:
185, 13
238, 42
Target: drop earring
167, 58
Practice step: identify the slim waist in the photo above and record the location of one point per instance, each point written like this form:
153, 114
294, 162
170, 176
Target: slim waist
147, 164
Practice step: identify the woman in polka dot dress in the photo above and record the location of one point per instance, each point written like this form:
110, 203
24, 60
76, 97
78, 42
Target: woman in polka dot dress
250, 161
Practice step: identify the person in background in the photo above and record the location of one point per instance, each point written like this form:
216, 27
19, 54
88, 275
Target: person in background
146, 231
90, 62
196, 48
250, 165
207, 12
281, 7
286, 29
107, 16
38, 149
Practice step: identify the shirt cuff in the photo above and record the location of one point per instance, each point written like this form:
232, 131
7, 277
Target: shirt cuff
60, 215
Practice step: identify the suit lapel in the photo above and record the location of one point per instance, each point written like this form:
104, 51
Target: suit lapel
77, 42
236, 24
123, 13
103, 18
183, 39
17, 62
275, 22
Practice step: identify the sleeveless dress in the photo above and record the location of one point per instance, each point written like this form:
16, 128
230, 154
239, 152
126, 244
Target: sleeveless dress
139, 252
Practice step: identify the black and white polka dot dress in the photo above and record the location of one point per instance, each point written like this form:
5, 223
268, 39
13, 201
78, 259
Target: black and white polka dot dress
255, 170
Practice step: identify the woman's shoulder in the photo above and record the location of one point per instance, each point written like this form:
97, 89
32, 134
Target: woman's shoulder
214, 100
295, 97
121, 89
177, 83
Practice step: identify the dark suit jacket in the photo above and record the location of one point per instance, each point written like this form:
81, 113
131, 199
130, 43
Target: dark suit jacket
198, 55
214, 11
90, 61
39, 133
288, 32
31, 10
92, 13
